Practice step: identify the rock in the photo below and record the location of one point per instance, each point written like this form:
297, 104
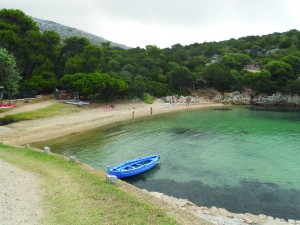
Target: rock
248, 98
112, 179
220, 215
270, 218
280, 220
247, 220
262, 216
46, 150
72, 158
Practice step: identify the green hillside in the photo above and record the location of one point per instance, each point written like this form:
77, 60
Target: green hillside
45, 61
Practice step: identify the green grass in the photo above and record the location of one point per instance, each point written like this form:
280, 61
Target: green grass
147, 98
53, 110
74, 195
5, 110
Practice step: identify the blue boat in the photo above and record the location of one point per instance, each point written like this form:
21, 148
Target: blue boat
134, 167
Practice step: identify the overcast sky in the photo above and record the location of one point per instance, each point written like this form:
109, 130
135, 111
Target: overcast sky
166, 22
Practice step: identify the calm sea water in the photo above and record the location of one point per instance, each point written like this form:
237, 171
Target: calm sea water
243, 159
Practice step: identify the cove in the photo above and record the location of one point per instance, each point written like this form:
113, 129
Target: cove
243, 159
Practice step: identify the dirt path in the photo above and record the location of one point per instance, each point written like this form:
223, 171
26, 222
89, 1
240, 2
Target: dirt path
20, 195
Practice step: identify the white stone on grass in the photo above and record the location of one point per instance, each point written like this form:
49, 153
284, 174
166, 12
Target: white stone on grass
112, 179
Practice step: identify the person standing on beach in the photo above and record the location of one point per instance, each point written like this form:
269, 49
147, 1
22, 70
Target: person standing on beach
187, 101
132, 114
151, 111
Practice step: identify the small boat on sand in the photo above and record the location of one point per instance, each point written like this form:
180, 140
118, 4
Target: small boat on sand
134, 167
7, 106
76, 102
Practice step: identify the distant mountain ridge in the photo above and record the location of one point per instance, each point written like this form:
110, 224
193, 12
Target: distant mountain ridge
66, 32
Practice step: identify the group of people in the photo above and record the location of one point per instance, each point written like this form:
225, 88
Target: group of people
151, 112
111, 106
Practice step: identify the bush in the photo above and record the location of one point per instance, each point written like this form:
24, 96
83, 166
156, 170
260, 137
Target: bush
147, 98
293, 86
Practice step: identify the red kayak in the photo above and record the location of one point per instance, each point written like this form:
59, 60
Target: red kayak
7, 106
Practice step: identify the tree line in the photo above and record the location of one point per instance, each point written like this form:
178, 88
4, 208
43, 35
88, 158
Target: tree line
40, 62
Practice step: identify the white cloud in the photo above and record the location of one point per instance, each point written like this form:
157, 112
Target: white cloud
167, 22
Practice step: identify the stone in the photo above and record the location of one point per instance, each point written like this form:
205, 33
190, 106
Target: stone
249, 98
46, 150
112, 179
248, 220
262, 216
72, 158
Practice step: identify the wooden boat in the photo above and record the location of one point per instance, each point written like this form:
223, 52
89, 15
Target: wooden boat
7, 106
134, 167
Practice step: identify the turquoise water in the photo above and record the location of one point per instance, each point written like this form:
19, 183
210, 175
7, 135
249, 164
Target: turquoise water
244, 159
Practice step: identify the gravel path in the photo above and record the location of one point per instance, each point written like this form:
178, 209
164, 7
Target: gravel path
19, 196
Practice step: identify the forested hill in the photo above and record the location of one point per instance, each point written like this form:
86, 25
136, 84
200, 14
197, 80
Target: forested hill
46, 61
66, 32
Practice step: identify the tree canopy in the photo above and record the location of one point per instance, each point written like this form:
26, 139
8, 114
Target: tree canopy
45, 61
9, 77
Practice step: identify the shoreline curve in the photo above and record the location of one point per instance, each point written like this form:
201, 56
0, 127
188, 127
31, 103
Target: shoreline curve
26, 132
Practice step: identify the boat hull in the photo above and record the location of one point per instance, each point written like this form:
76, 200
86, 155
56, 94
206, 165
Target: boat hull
7, 106
134, 167
76, 102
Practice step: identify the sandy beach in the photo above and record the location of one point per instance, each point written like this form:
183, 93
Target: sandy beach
88, 117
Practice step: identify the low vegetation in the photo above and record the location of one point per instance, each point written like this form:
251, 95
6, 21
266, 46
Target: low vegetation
147, 98
76, 195
53, 110
4, 110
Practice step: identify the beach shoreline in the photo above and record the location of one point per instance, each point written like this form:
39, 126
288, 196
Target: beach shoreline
91, 117
94, 116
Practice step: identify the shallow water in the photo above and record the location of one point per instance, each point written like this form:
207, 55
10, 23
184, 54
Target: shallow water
244, 160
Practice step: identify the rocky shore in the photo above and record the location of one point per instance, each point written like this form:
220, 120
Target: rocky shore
238, 98
248, 98
221, 216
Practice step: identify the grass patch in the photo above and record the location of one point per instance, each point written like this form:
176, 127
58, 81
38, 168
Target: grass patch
5, 110
53, 110
74, 195
147, 98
